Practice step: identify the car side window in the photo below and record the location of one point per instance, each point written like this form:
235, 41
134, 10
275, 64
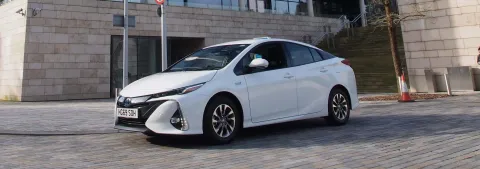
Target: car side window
316, 55
272, 52
326, 55
299, 54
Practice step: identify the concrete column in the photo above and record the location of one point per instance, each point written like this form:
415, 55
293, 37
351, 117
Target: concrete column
252, 5
310, 8
363, 11
243, 5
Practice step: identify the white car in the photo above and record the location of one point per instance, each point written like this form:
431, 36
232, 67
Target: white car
221, 89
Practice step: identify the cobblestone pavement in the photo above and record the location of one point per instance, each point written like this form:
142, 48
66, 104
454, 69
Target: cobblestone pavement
440, 133
61, 117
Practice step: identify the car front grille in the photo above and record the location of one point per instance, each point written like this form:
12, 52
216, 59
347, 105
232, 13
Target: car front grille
144, 112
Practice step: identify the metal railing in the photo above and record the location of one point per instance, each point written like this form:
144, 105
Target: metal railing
329, 35
351, 32
327, 29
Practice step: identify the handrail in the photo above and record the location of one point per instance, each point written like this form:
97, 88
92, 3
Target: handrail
344, 24
359, 16
343, 18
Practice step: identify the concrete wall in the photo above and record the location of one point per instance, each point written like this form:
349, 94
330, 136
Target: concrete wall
448, 36
68, 44
12, 47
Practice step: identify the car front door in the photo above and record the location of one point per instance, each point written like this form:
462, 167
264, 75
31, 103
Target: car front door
272, 91
313, 80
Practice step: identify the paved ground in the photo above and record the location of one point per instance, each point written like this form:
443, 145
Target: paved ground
61, 117
441, 133
58, 117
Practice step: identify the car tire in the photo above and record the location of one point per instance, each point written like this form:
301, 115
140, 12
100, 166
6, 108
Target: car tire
220, 131
338, 108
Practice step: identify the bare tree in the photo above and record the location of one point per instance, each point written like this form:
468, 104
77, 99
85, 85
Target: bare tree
385, 17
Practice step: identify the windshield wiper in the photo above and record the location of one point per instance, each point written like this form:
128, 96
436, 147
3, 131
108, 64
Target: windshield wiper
210, 67
186, 69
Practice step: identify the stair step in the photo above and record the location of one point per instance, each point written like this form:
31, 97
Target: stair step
370, 55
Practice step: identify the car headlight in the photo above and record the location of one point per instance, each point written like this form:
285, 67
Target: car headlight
133, 100
137, 100
183, 90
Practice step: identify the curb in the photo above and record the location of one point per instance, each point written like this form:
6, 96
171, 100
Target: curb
374, 102
59, 133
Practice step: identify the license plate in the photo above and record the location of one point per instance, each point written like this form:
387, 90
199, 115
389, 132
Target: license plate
127, 113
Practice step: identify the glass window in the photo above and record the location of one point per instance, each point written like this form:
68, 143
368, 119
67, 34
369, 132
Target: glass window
226, 3
326, 55
293, 7
299, 54
117, 61
281, 7
269, 4
213, 58
235, 5
149, 56
316, 55
176, 2
272, 52
215, 4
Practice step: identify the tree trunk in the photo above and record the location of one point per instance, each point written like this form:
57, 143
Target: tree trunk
393, 41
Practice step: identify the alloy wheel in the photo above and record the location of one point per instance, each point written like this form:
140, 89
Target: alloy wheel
340, 106
223, 120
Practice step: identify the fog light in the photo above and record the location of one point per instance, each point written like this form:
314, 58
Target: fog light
175, 120
178, 121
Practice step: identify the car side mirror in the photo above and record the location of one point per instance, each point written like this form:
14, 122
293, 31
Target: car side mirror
258, 63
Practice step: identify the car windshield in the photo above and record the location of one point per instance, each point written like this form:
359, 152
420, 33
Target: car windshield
213, 58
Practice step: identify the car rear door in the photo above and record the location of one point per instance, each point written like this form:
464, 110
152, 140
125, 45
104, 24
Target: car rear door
312, 76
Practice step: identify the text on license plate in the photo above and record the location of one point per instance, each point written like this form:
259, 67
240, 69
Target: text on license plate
127, 113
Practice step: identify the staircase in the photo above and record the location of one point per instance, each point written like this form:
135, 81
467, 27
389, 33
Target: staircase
368, 50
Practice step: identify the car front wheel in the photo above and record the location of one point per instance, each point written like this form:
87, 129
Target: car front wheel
221, 120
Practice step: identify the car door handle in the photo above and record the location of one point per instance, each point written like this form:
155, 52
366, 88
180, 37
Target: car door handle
288, 76
324, 70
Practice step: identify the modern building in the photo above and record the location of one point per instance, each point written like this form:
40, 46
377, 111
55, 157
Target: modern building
444, 41
71, 49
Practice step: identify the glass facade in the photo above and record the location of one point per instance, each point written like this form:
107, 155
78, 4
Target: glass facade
335, 8
144, 58
322, 8
212, 4
292, 7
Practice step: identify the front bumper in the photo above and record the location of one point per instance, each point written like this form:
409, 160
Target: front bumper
145, 110
155, 115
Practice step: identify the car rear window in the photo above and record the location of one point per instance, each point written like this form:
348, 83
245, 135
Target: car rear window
316, 55
326, 55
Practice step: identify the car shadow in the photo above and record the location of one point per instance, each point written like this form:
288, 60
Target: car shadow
315, 132
198, 141
370, 123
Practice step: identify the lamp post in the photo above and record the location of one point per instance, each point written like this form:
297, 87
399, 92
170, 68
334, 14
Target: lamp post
164, 40
125, 43
161, 13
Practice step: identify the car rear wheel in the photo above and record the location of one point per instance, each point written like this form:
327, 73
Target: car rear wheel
338, 108
221, 121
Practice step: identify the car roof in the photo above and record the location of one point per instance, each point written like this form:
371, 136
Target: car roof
260, 40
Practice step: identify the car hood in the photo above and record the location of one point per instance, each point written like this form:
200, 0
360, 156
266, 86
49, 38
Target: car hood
162, 82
